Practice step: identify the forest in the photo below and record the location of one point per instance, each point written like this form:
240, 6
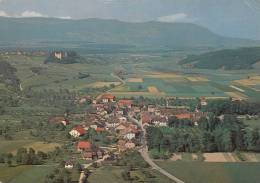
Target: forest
242, 58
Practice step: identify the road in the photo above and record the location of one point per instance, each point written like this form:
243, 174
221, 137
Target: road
144, 153
82, 176
118, 78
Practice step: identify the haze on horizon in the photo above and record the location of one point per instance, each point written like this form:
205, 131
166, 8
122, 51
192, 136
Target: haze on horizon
234, 18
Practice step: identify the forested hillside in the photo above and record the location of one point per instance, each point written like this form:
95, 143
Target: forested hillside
242, 58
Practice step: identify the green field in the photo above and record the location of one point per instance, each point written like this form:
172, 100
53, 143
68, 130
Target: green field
13, 145
113, 174
65, 76
253, 123
24, 174
199, 172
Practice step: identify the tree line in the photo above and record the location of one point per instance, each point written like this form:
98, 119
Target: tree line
211, 135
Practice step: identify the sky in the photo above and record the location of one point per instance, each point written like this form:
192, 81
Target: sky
234, 18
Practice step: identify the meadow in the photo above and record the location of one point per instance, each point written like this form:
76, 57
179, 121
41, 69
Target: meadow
114, 174
201, 172
26, 173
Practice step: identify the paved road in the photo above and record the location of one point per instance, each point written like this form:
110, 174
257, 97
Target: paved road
82, 176
144, 153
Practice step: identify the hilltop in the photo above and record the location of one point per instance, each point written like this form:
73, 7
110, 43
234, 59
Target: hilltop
82, 33
242, 58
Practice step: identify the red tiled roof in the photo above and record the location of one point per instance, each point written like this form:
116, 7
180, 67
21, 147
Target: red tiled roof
80, 129
146, 118
84, 145
100, 129
183, 116
108, 96
125, 102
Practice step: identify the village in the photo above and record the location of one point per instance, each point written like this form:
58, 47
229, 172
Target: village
121, 124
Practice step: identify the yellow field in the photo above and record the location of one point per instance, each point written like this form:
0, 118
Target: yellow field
253, 80
220, 157
102, 84
153, 89
162, 75
237, 95
40, 146
197, 79
135, 80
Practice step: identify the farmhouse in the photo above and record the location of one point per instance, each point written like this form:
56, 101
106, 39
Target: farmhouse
84, 146
77, 131
69, 165
151, 108
159, 121
146, 118
183, 116
108, 98
125, 103
203, 101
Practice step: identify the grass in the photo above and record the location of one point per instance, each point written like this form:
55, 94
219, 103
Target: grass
201, 172
113, 174
11, 146
253, 123
107, 174
24, 174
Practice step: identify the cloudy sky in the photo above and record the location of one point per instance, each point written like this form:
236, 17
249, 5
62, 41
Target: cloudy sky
236, 18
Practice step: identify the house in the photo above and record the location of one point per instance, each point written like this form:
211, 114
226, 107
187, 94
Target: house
203, 101
125, 103
130, 132
112, 123
59, 120
69, 165
89, 155
122, 119
129, 145
121, 128
136, 109
77, 131
159, 121
84, 146
121, 145
100, 154
99, 129
146, 118
151, 108
183, 116
129, 135
108, 98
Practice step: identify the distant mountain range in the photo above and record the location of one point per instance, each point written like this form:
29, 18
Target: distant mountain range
150, 34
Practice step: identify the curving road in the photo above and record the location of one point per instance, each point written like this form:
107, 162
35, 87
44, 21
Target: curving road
144, 153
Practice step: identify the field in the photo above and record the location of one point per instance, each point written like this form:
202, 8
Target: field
114, 174
153, 77
13, 145
253, 123
201, 172
26, 174
217, 157
179, 85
